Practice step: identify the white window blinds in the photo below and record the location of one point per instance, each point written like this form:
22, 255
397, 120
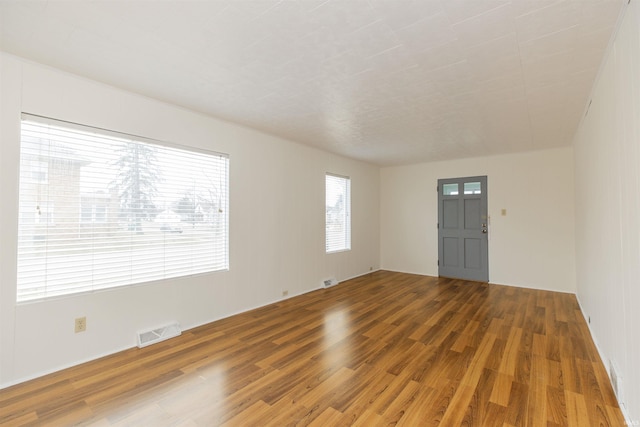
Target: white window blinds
338, 213
99, 209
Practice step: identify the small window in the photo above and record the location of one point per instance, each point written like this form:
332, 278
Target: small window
92, 211
338, 213
472, 188
44, 214
100, 213
39, 171
127, 210
450, 189
86, 213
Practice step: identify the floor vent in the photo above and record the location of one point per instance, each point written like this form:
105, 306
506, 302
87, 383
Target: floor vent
153, 336
330, 282
616, 381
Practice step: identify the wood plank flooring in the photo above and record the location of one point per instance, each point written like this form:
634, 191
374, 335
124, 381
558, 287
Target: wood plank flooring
384, 349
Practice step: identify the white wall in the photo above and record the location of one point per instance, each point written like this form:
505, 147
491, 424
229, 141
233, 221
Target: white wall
607, 159
532, 246
276, 224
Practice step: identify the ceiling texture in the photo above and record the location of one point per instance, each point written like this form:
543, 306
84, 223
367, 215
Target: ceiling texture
385, 81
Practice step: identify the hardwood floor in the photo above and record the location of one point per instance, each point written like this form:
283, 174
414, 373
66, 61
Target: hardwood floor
384, 349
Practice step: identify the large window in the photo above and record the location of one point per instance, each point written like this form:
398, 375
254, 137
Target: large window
127, 210
338, 213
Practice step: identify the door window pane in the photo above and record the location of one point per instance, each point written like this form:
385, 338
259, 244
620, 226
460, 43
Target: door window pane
450, 189
472, 188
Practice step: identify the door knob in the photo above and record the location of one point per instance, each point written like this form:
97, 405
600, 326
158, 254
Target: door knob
484, 230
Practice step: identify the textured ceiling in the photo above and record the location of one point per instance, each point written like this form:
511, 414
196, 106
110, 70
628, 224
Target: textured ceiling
385, 81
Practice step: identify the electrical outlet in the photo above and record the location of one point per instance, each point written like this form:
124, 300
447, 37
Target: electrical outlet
285, 293
81, 324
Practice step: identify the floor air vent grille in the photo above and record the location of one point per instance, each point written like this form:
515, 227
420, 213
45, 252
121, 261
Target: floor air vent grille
616, 382
330, 282
153, 336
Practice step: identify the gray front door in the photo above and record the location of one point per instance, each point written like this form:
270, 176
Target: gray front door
462, 228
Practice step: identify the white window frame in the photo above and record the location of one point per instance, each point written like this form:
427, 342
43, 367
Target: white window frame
337, 216
70, 258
